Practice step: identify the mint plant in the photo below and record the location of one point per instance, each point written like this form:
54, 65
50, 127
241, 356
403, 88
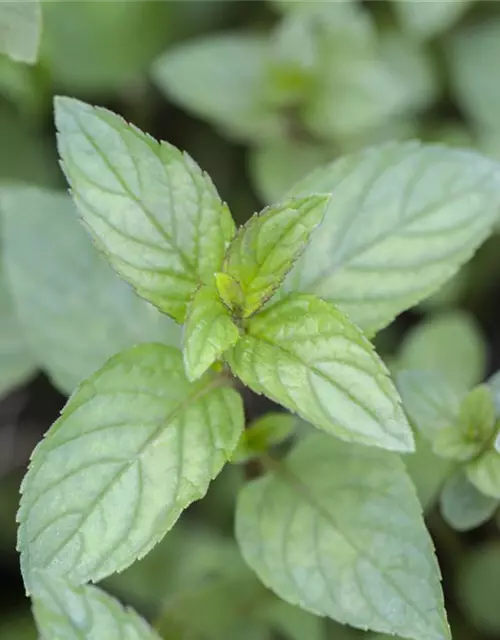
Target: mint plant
282, 306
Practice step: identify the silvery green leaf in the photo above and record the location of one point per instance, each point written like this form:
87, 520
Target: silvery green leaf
134, 446
157, 217
429, 19
75, 311
20, 29
337, 529
449, 343
306, 355
265, 248
402, 219
208, 332
463, 506
64, 611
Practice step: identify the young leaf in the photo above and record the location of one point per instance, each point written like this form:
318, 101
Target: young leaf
262, 434
463, 506
429, 19
306, 355
431, 403
134, 446
151, 210
220, 78
450, 343
20, 30
63, 610
16, 361
484, 473
402, 219
208, 332
338, 531
266, 247
76, 312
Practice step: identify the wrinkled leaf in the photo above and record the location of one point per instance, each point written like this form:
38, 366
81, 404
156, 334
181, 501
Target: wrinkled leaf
306, 355
75, 613
266, 247
402, 218
338, 531
89, 507
450, 343
76, 312
463, 506
208, 332
149, 207
20, 29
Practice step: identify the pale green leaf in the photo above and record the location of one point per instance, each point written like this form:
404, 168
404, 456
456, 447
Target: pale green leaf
338, 531
429, 19
294, 623
208, 332
150, 208
135, 445
473, 54
20, 29
463, 506
477, 588
266, 247
97, 48
429, 401
76, 312
16, 360
484, 473
67, 612
451, 344
221, 78
275, 168
402, 219
427, 472
494, 385
306, 355
262, 434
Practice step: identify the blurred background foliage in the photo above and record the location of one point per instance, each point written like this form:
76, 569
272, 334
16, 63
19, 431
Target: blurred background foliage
259, 93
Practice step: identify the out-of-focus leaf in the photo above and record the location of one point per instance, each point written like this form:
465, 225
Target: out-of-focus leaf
473, 54
262, 434
221, 78
477, 588
20, 28
17, 627
427, 471
451, 344
402, 219
16, 360
484, 473
294, 623
76, 312
99, 47
276, 168
463, 506
429, 19
20, 85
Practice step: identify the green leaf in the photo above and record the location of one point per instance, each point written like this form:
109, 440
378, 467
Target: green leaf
429, 19
221, 78
20, 28
494, 385
150, 208
338, 531
76, 312
484, 473
402, 219
473, 53
208, 332
427, 472
295, 624
98, 48
462, 506
477, 588
275, 168
16, 361
306, 355
266, 247
430, 402
63, 610
262, 434
451, 344
90, 507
